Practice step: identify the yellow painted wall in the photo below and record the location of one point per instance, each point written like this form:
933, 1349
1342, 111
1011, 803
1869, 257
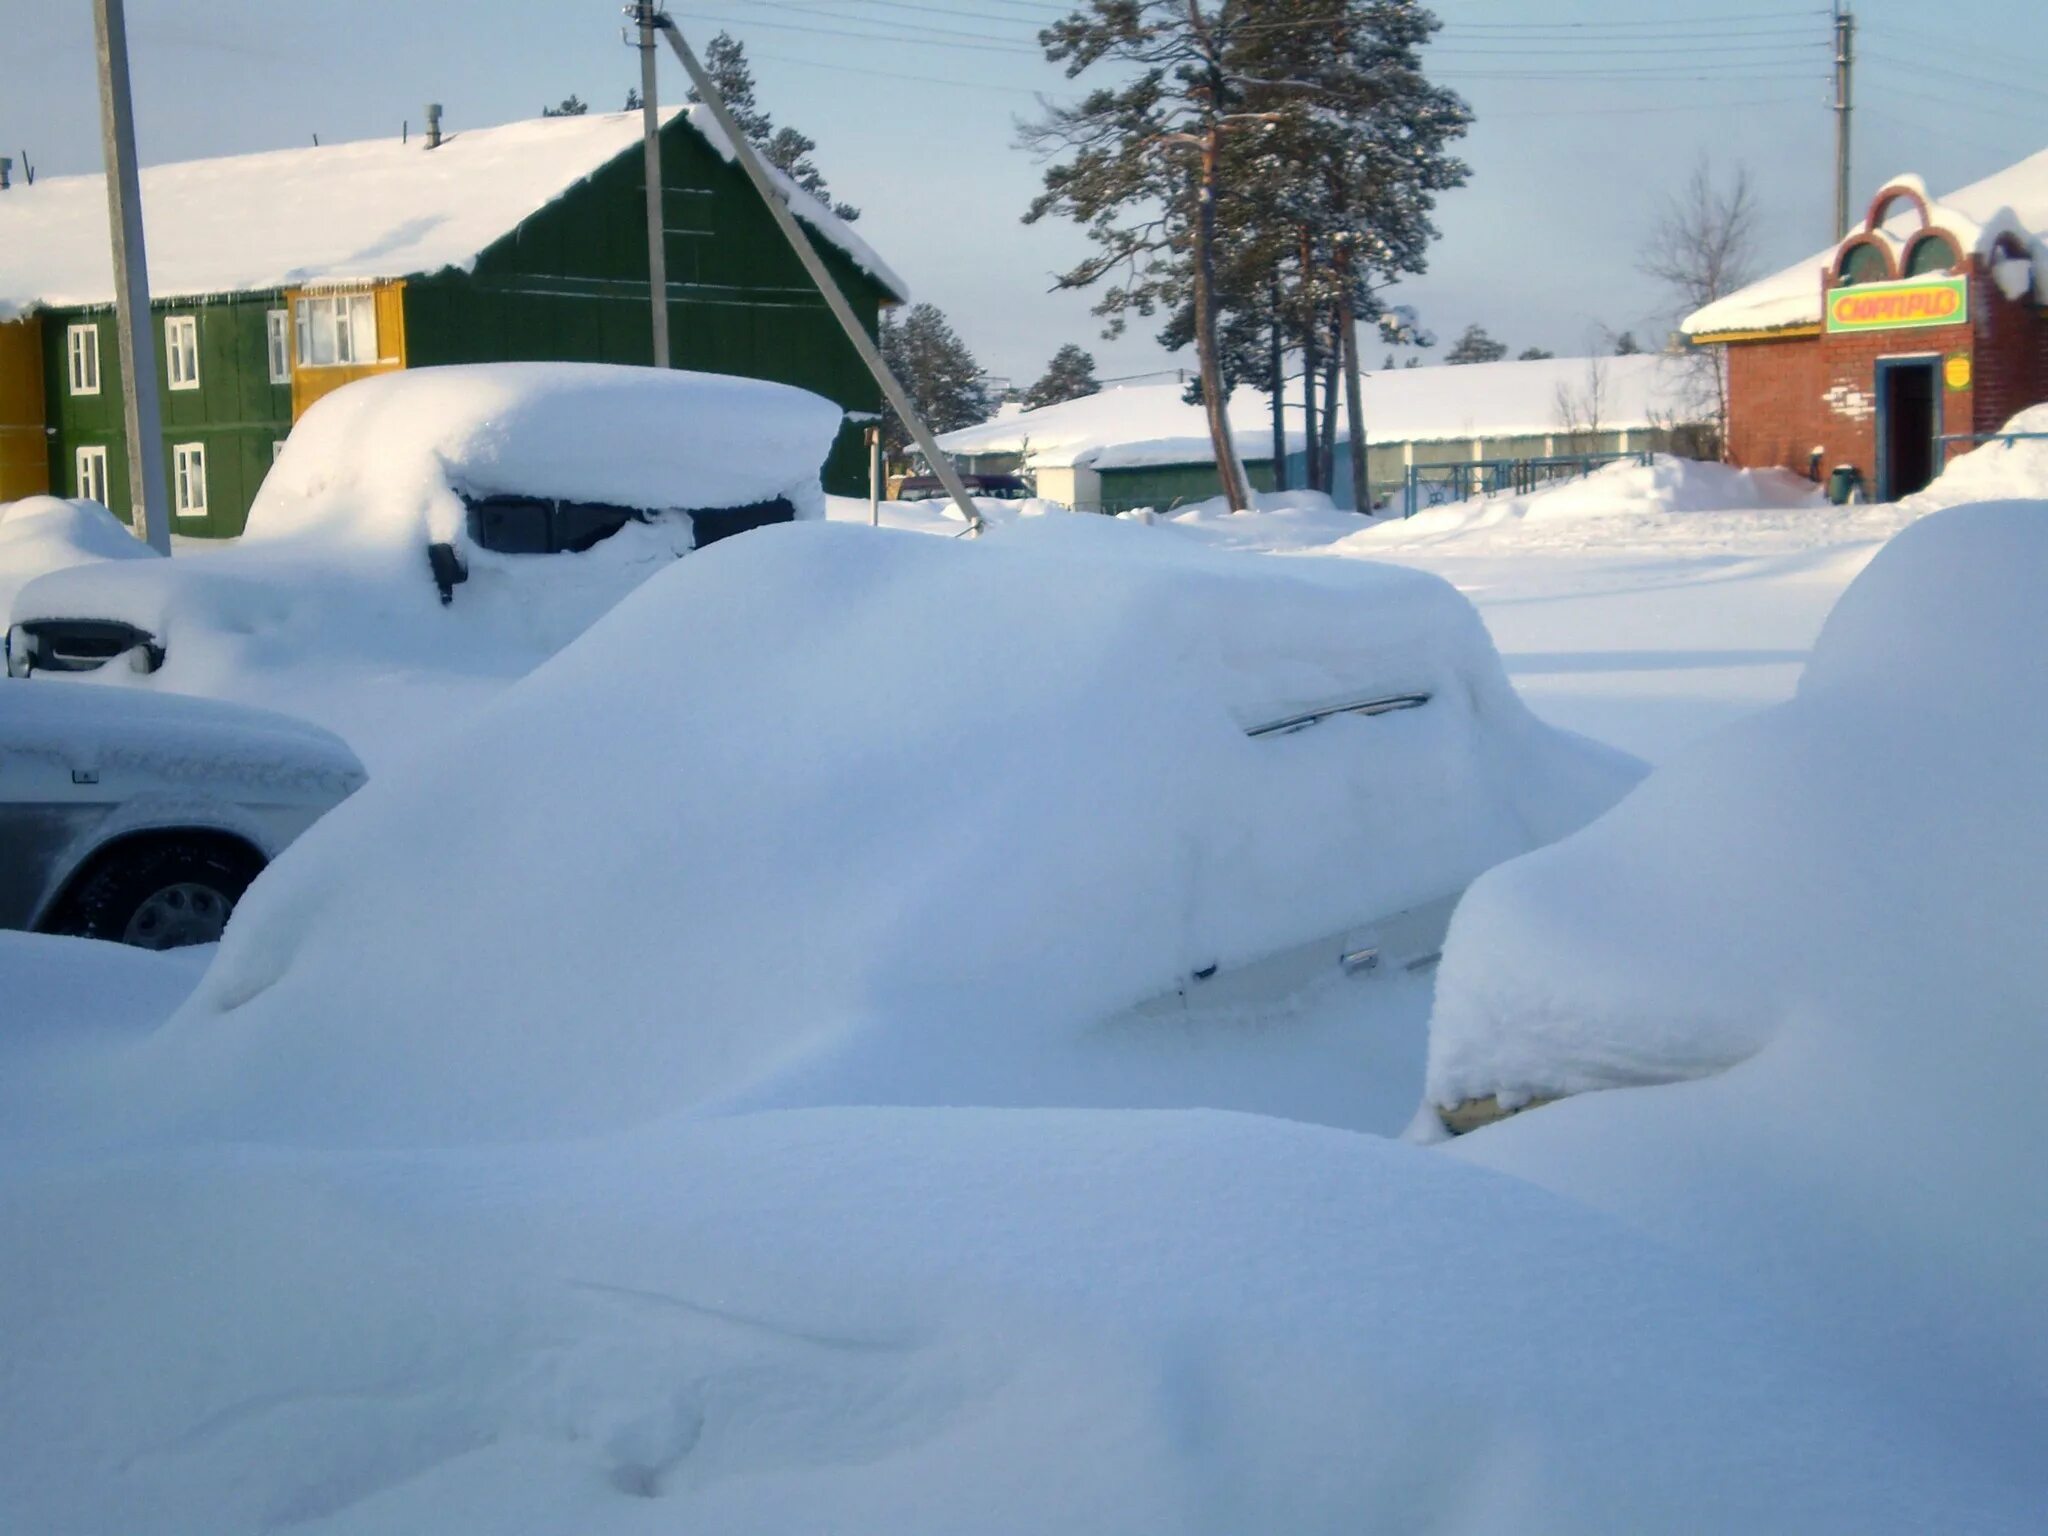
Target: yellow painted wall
24, 455
310, 383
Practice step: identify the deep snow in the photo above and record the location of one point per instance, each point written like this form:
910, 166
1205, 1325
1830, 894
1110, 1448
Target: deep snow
1831, 914
1800, 1295
803, 814
326, 606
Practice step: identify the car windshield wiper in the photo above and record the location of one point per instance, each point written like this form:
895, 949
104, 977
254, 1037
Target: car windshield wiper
1385, 704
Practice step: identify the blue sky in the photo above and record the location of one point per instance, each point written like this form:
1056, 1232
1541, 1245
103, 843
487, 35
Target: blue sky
1587, 110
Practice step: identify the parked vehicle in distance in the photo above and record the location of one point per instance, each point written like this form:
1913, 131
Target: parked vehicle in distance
541, 492
143, 817
931, 488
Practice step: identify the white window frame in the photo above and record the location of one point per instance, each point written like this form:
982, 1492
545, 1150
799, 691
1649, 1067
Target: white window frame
89, 469
277, 332
188, 476
82, 342
181, 351
343, 325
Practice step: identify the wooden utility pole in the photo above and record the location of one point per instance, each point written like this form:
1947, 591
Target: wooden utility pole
820, 274
644, 13
142, 415
1845, 61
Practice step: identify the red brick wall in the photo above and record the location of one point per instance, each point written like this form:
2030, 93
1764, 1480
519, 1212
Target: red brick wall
1773, 402
2011, 366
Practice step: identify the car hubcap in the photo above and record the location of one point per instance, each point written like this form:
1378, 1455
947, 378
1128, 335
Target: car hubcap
178, 915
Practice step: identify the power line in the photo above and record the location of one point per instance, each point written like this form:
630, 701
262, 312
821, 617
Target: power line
1922, 66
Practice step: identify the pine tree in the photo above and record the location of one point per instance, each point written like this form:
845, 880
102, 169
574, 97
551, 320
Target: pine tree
1143, 170
1626, 345
725, 61
1532, 355
1475, 346
571, 106
936, 370
1359, 147
1069, 376
633, 101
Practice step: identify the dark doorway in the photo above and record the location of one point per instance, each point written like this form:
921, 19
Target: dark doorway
1908, 424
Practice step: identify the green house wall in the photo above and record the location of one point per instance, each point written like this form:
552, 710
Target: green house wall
1172, 485
570, 284
236, 412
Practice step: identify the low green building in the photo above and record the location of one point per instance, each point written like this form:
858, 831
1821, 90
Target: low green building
278, 277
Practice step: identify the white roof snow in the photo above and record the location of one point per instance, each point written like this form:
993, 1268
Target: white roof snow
1144, 424
338, 213
2014, 201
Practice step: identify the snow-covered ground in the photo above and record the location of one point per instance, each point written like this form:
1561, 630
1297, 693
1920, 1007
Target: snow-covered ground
682, 1099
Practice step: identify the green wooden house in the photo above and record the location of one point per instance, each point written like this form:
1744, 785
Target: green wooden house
278, 277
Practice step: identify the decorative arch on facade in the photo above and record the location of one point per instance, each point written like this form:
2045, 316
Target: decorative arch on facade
1881, 205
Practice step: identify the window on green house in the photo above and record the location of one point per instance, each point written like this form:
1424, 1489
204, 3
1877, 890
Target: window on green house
188, 473
277, 326
1931, 253
83, 343
91, 464
181, 351
1863, 264
336, 329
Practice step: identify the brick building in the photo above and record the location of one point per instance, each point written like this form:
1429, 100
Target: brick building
1927, 321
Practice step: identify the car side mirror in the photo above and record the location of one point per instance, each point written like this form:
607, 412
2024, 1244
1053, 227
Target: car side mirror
449, 571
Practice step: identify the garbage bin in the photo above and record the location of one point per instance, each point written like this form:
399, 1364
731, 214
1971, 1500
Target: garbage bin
1845, 484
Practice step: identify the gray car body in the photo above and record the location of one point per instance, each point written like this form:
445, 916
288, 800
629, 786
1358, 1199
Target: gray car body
84, 768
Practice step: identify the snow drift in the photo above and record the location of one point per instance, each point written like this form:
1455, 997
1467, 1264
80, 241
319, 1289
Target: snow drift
1836, 907
1896, 794
326, 605
39, 534
1993, 471
824, 802
916, 1321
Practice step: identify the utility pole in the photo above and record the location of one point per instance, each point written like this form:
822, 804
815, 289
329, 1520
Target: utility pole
142, 416
645, 14
828, 286
1845, 59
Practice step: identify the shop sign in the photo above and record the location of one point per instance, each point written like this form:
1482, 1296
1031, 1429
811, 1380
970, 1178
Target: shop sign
1906, 305
1955, 370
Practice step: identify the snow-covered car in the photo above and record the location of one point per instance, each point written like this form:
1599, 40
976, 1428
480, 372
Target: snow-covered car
526, 497
143, 818
1073, 813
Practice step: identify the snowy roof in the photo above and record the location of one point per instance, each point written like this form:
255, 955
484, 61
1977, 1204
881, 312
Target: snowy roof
1144, 424
2014, 201
379, 208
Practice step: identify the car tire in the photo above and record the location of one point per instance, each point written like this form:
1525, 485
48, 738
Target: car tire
160, 895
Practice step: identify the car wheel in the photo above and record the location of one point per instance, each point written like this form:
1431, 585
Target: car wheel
164, 895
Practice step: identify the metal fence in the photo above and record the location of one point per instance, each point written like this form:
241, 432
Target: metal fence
1431, 485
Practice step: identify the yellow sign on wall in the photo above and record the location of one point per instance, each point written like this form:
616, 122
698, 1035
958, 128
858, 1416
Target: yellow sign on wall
1955, 371
1899, 306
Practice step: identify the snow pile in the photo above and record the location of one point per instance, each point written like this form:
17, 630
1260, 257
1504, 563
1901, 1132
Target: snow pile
336, 213
49, 533
1838, 905
1992, 471
825, 804
1883, 830
908, 1321
385, 461
1627, 498
327, 607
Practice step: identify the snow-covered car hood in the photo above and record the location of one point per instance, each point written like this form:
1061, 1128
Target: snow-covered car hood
175, 737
